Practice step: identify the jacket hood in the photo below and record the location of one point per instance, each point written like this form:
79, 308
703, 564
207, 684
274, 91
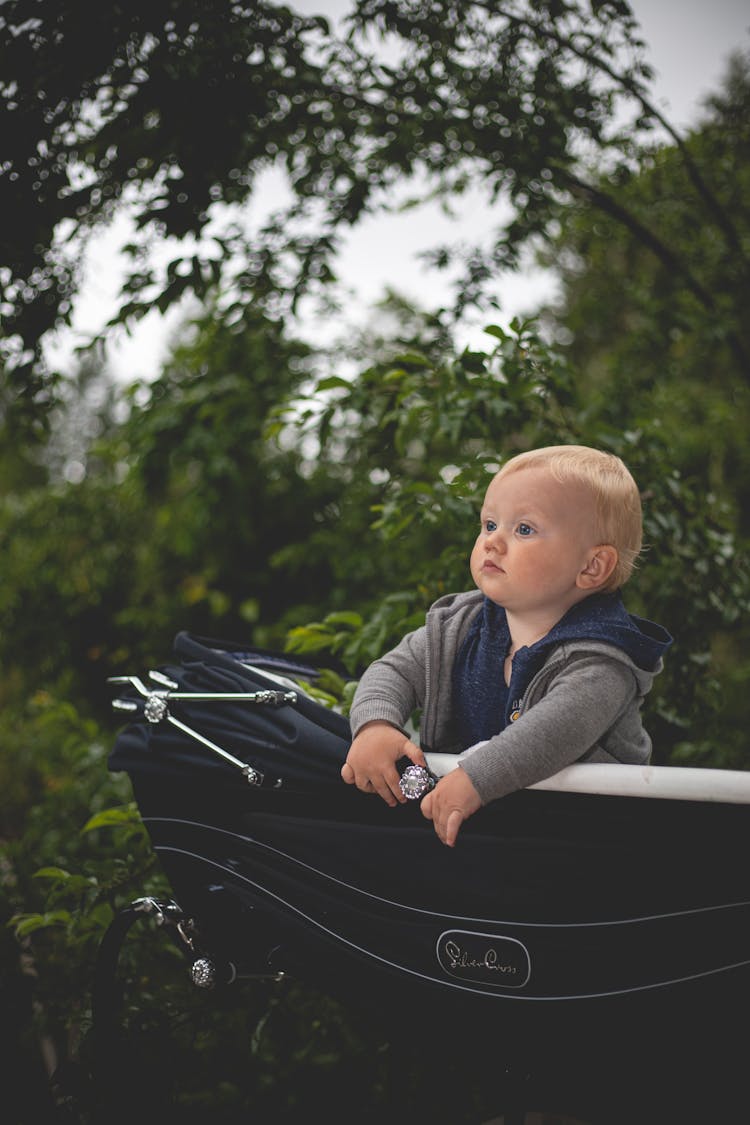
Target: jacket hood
603, 617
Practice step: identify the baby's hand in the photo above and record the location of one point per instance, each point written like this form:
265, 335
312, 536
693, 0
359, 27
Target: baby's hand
450, 803
371, 761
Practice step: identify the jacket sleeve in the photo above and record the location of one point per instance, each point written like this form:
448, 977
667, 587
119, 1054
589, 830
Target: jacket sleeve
587, 697
393, 686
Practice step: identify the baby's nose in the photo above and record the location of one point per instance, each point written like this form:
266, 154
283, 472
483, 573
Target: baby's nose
495, 541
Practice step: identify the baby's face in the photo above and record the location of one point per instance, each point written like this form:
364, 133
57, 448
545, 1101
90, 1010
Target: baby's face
536, 538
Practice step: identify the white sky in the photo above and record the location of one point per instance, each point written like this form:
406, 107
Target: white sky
689, 43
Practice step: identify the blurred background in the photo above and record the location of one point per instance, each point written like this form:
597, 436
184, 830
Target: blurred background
281, 287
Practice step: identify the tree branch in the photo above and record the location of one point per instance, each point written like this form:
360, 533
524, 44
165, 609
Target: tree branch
719, 214
581, 190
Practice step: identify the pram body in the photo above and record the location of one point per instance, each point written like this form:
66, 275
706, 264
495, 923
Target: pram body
610, 905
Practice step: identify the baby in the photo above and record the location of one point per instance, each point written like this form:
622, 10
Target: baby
540, 666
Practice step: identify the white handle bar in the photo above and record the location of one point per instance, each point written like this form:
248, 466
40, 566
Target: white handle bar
676, 783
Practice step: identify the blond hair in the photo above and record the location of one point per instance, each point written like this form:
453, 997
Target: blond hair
618, 513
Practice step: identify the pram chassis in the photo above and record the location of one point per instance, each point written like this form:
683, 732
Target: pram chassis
608, 901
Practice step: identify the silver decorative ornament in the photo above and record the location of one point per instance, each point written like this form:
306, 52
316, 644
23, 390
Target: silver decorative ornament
203, 973
155, 708
415, 782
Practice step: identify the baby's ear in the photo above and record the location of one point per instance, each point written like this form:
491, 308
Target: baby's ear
601, 562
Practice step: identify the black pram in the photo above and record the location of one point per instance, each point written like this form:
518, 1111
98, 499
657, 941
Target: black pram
603, 912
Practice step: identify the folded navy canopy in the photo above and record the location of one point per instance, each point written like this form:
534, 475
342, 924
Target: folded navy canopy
291, 743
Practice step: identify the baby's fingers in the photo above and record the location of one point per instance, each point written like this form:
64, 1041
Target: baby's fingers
347, 773
380, 786
426, 805
455, 820
414, 754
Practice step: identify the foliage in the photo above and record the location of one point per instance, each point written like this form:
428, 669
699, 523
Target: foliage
62, 873
176, 523
639, 338
249, 492
218, 502
180, 109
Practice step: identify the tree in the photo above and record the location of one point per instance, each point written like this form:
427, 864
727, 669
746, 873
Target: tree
639, 340
176, 109
181, 517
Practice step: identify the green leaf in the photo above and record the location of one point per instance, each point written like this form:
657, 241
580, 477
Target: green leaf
25, 924
333, 382
344, 617
496, 330
113, 818
52, 873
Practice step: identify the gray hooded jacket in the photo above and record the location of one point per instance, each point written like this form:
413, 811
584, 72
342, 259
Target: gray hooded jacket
583, 704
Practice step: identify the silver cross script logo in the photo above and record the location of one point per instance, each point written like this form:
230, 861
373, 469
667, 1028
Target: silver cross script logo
488, 959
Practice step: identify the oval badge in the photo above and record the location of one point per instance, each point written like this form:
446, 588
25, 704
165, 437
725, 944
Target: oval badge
500, 962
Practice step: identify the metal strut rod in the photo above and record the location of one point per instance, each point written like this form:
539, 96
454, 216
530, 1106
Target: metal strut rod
267, 696
156, 710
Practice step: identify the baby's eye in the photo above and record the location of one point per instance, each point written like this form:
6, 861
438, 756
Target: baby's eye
525, 530
489, 526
